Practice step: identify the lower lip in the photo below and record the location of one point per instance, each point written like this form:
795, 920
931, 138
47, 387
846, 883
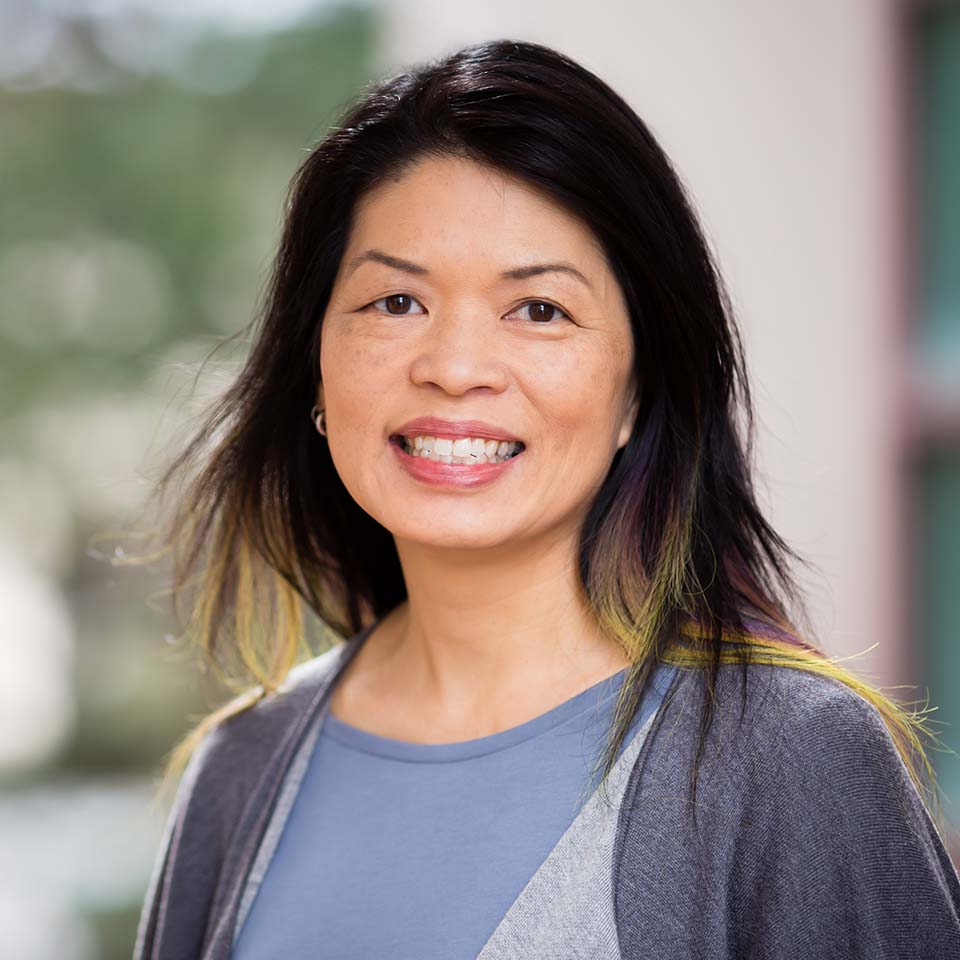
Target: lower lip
454, 475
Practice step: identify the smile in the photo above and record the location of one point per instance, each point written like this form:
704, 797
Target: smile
469, 450
429, 464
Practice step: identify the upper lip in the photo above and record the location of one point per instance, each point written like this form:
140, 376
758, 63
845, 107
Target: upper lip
438, 427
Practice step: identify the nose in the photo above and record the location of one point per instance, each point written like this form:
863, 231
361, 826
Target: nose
460, 351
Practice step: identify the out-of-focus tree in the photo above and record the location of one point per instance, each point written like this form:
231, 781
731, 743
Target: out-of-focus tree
145, 157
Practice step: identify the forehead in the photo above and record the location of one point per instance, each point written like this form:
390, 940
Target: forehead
460, 208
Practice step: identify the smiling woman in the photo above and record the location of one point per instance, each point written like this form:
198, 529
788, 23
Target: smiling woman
544, 349
522, 499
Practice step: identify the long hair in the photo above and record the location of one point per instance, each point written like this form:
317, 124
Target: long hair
676, 561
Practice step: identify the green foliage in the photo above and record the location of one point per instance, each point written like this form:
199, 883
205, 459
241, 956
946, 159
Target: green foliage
146, 212
141, 211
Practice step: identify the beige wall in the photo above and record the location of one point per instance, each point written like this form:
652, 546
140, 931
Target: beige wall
780, 117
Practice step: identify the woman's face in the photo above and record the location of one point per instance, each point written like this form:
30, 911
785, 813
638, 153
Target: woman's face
440, 331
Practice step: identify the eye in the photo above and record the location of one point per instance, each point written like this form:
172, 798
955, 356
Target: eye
538, 317
541, 317
394, 297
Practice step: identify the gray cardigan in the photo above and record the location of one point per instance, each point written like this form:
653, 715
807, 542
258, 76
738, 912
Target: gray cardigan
808, 838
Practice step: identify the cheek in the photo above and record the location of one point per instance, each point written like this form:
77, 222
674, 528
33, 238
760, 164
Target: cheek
357, 418
577, 396
355, 373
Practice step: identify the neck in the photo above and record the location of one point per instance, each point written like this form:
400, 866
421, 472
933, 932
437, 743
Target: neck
481, 633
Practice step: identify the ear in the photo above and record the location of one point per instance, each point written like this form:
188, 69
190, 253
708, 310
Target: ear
629, 419
319, 394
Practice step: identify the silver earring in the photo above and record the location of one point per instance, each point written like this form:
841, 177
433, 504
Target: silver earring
319, 418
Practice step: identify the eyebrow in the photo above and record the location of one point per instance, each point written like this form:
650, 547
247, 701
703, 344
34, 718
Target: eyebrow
515, 273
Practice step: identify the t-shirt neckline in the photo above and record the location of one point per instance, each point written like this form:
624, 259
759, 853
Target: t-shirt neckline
355, 738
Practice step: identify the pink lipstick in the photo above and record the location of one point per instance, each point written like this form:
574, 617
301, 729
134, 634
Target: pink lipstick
451, 475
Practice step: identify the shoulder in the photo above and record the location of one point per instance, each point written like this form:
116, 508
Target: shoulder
768, 724
806, 835
228, 775
250, 732
776, 714
787, 751
244, 735
816, 724
232, 758
814, 737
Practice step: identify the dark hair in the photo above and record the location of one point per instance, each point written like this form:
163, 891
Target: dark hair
676, 560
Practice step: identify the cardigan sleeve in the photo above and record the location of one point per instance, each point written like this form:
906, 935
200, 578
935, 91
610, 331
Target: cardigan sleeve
840, 857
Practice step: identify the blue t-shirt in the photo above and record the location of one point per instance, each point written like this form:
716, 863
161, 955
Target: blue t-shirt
413, 850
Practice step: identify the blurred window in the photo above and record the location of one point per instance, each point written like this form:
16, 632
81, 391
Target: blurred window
935, 451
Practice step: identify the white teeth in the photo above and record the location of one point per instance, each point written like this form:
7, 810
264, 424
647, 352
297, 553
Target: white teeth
462, 450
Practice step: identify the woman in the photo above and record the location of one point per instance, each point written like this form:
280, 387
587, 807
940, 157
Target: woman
522, 496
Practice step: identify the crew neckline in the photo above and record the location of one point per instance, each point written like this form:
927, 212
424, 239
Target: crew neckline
355, 738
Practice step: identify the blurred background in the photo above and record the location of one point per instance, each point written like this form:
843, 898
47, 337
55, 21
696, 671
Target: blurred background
145, 152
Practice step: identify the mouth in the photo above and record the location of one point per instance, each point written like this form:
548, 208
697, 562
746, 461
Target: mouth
499, 451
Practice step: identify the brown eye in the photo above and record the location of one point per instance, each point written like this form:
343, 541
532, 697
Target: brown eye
395, 304
542, 311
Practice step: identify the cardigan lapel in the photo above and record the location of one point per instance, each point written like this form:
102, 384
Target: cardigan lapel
259, 812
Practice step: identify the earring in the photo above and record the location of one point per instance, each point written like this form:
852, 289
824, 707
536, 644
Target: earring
319, 418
